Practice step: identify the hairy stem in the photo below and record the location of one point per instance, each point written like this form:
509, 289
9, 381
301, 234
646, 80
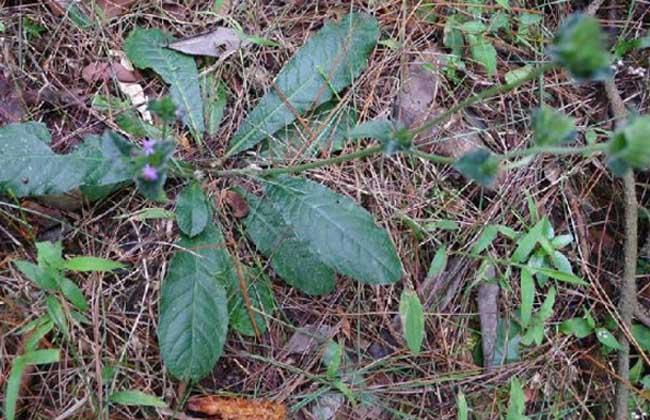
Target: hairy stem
303, 167
496, 90
627, 302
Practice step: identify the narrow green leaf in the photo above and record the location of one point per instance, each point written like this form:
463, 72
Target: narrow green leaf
57, 315
193, 308
513, 76
193, 211
332, 357
146, 48
412, 316
41, 331
328, 62
290, 257
150, 213
13, 388
527, 243
527, 286
607, 338
92, 264
136, 398
41, 357
486, 238
343, 235
560, 276
463, 409
517, 403
546, 310
43, 278
438, 263
73, 293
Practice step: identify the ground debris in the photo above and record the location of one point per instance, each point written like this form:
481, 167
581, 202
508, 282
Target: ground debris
236, 408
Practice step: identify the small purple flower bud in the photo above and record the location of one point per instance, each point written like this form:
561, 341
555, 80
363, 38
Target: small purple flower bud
149, 173
147, 147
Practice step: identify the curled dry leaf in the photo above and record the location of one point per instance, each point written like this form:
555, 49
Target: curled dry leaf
220, 42
11, 110
115, 8
305, 339
99, 71
236, 203
416, 104
236, 408
133, 90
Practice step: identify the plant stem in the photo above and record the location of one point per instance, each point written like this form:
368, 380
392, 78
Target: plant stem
304, 167
482, 95
431, 157
627, 303
555, 150
534, 73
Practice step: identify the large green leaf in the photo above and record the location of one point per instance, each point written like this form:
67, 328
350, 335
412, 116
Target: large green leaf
146, 48
343, 235
290, 257
261, 298
28, 167
192, 210
324, 66
327, 131
193, 307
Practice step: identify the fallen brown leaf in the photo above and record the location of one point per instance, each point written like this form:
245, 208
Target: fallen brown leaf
103, 72
95, 72
236, 202
11, 110
305, 339
115, 8
416, 103
236, 408
222, 41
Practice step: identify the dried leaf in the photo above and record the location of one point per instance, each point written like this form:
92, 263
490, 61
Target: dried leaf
237, 408
123, 74
220, 42
307, 338
96, 72
236, 202
133, 91
11, 110
417, 103
115, 8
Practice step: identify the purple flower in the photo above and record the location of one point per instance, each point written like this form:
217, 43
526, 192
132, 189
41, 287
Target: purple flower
147, 147
149, 173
